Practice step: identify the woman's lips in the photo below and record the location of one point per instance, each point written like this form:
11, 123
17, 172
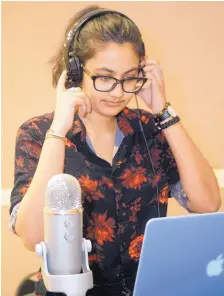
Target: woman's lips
112, 104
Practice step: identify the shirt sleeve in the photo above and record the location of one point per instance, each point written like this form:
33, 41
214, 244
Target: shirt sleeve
29, 142
170, 166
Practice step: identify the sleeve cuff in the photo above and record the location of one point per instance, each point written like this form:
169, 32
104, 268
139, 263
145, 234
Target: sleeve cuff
13, 217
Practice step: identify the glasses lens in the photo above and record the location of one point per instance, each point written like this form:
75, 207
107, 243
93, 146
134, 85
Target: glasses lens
133, 85
104, 83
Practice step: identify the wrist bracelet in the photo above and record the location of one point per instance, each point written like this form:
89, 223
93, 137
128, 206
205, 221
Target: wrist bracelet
56, 137
162, 117
51, 134
169, 123
157, 115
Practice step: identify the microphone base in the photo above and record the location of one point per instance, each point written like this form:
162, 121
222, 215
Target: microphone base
71, 285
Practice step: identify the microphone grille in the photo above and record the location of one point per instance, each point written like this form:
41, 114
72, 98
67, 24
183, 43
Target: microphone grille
63, 194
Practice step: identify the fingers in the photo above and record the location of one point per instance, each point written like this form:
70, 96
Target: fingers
152, 67
81, 100
147, 61
61, 81
88, 104
80, 106
73, 96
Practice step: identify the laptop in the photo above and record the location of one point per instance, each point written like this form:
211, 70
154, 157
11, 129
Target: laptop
182, 256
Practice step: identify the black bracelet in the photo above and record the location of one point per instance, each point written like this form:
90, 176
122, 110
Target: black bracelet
169, 123
162, 117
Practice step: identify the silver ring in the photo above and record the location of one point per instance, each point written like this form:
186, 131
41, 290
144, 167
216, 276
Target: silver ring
74, 89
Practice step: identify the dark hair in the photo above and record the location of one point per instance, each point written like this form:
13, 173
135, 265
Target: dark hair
102, 29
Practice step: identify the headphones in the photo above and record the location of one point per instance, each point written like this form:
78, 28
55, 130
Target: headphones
71, 61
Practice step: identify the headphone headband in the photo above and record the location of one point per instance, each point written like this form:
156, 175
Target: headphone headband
71, 61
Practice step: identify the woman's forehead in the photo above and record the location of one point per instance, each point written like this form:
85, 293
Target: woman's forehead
116, 57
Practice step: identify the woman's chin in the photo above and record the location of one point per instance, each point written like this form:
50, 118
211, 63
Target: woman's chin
111, 111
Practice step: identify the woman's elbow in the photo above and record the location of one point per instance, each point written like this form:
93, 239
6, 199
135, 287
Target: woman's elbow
28, 236
211, 206
215, 205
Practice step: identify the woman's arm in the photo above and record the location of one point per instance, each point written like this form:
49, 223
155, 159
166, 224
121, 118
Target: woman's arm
29, 222
196, 175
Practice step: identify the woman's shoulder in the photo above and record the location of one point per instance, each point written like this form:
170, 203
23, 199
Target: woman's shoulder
137, 117
36, 126
39, 120
135, 112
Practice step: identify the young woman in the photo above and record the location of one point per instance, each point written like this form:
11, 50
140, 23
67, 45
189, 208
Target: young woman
128, 162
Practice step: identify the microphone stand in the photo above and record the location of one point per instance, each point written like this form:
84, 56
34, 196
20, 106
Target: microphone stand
71, 285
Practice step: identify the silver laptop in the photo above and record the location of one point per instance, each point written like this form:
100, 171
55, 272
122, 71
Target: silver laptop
182, 256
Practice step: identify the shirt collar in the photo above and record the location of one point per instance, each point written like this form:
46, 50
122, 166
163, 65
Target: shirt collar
127, 120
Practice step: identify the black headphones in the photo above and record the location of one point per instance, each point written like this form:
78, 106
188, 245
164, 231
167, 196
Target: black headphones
71, 61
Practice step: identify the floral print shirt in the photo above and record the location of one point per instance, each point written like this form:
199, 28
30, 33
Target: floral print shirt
118, 200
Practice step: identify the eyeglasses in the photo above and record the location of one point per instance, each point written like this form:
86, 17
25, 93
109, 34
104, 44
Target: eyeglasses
106, 83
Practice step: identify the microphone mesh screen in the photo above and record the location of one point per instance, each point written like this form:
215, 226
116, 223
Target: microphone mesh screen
63, 193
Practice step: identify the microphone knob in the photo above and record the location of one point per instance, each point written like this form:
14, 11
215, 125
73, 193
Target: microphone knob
69, 237
89, 245
69, 224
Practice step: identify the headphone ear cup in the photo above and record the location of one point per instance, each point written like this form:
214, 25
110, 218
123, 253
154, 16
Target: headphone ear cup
74, 75
79, 70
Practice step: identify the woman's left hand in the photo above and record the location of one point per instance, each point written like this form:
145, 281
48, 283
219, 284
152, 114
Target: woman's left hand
154, 95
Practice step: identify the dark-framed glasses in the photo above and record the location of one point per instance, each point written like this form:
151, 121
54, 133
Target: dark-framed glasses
104, 83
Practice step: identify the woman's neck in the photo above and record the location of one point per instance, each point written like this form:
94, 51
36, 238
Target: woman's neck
99, 124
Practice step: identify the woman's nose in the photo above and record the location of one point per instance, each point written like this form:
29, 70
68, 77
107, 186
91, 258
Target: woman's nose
117, 91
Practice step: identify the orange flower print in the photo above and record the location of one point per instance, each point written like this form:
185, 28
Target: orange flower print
135, 208
92, 257
129, 114
125, 126
20, 161
134, 177
162, 137
33, 149
163, 198
35, 119
89, 187
138, 157
35, 126
107, 181
135, 247
102, 230
88, 184
156, 155
24, 188
69, 144
20, 132
155, 180
48, 116
144, 119
125, 111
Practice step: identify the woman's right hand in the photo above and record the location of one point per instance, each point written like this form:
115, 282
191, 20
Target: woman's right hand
68, 102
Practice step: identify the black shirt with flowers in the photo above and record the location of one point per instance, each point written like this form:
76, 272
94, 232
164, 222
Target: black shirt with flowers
118, 200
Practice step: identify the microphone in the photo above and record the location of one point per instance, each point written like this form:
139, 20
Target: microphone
64, 252
63, 225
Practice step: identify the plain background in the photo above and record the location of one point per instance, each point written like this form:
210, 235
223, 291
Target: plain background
187, 39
